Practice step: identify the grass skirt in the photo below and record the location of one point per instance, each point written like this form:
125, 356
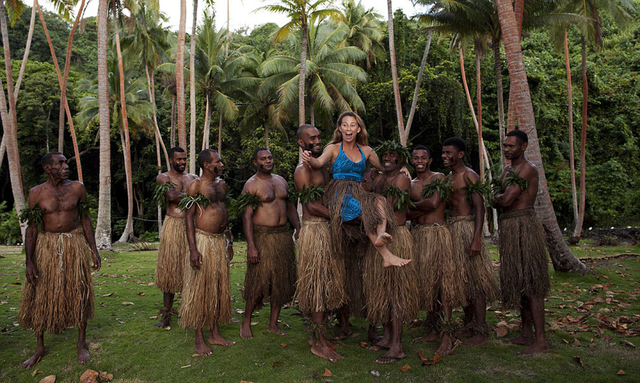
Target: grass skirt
480, 278
206, 298
172, 253
275, 275
391, 291
523, 258
370, 218
63, 294
321, 274
354, 251
441, 278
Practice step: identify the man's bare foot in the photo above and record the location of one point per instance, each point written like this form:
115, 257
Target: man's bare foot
35, 358
163, 323
520, 340
326, 342
383, 239
536, 348
318, 349
466, 333
343, 334
445, 346
218, 340
390, 357
83, 353
245, 331
433, 336
202, 349
276, 330
475, 340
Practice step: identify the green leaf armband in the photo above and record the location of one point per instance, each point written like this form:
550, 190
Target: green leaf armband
310, 194
403, 201
159, 194
32, 217
244, 200
440, 185
484, 190
513, 178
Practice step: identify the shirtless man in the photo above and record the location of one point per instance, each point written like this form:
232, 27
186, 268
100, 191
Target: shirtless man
465, 221
59, 242
206, 298
440, 277
173, 248
271, 266
321, 273
391, 293
524, 272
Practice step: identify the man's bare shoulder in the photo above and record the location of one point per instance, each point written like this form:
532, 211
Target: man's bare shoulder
163, 178
402, 181
470, 175
35, 193
279, 179
438, 176
249, 185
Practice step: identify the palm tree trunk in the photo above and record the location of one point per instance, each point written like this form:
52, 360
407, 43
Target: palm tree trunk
103, 224
303, 73
172, 137
10, 123
518, 7
182, 133
394, 77
561, 256
497, 64
151, 89
266, 135
126, 143
3, 148
414, 102
63, 100
479, 106
577, 232
27, 49
207, 121
159, 163
312, 110
572, 164
61, 121
220, 133
192, 91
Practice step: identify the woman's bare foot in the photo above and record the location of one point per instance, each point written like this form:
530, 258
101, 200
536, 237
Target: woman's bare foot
392, 260
83, 353
383, 239
522, 340
537, 347
35, 358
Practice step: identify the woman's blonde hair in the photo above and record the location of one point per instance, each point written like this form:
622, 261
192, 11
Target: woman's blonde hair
362, 138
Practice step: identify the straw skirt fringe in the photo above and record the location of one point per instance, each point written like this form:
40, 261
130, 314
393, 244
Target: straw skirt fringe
321, 274
391, 291
523, 258
172, 252
441, 277
63, 295
480, 277
275, 275
206, 299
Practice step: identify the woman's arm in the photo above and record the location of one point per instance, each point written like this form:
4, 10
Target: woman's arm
318, 163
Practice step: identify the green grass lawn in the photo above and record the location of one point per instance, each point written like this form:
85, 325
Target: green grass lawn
591, 321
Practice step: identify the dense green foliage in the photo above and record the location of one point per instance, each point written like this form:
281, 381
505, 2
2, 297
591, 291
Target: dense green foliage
613, 161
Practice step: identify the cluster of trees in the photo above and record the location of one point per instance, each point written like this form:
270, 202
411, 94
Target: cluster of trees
245, 91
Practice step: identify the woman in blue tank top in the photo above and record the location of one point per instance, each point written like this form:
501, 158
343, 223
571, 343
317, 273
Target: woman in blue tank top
348, 155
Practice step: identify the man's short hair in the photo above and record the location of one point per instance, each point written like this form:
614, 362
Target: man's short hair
520, 135
422, 147
47, 159
205, 156
457, 143
302, 128
255, 152
174, 150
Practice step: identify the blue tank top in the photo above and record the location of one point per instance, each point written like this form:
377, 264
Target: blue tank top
345, 169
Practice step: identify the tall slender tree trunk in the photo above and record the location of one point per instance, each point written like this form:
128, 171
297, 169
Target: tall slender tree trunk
561, 256
126, 142
220, 133
266, 135
572, 156
192, 91
103, 225
394, 77
303, 74
497, 64
416, 91
152, 98
172, 136
63, 101
207, 121
182, 133
518, 7
577, 232
3, 148
159, 163
479, 106
10, 122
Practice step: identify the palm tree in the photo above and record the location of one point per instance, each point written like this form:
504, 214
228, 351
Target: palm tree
192, 91
563, 259
592, 31
365, 30
394, 77
301, 14
182, 133
218, 75
332, 77
103, 224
